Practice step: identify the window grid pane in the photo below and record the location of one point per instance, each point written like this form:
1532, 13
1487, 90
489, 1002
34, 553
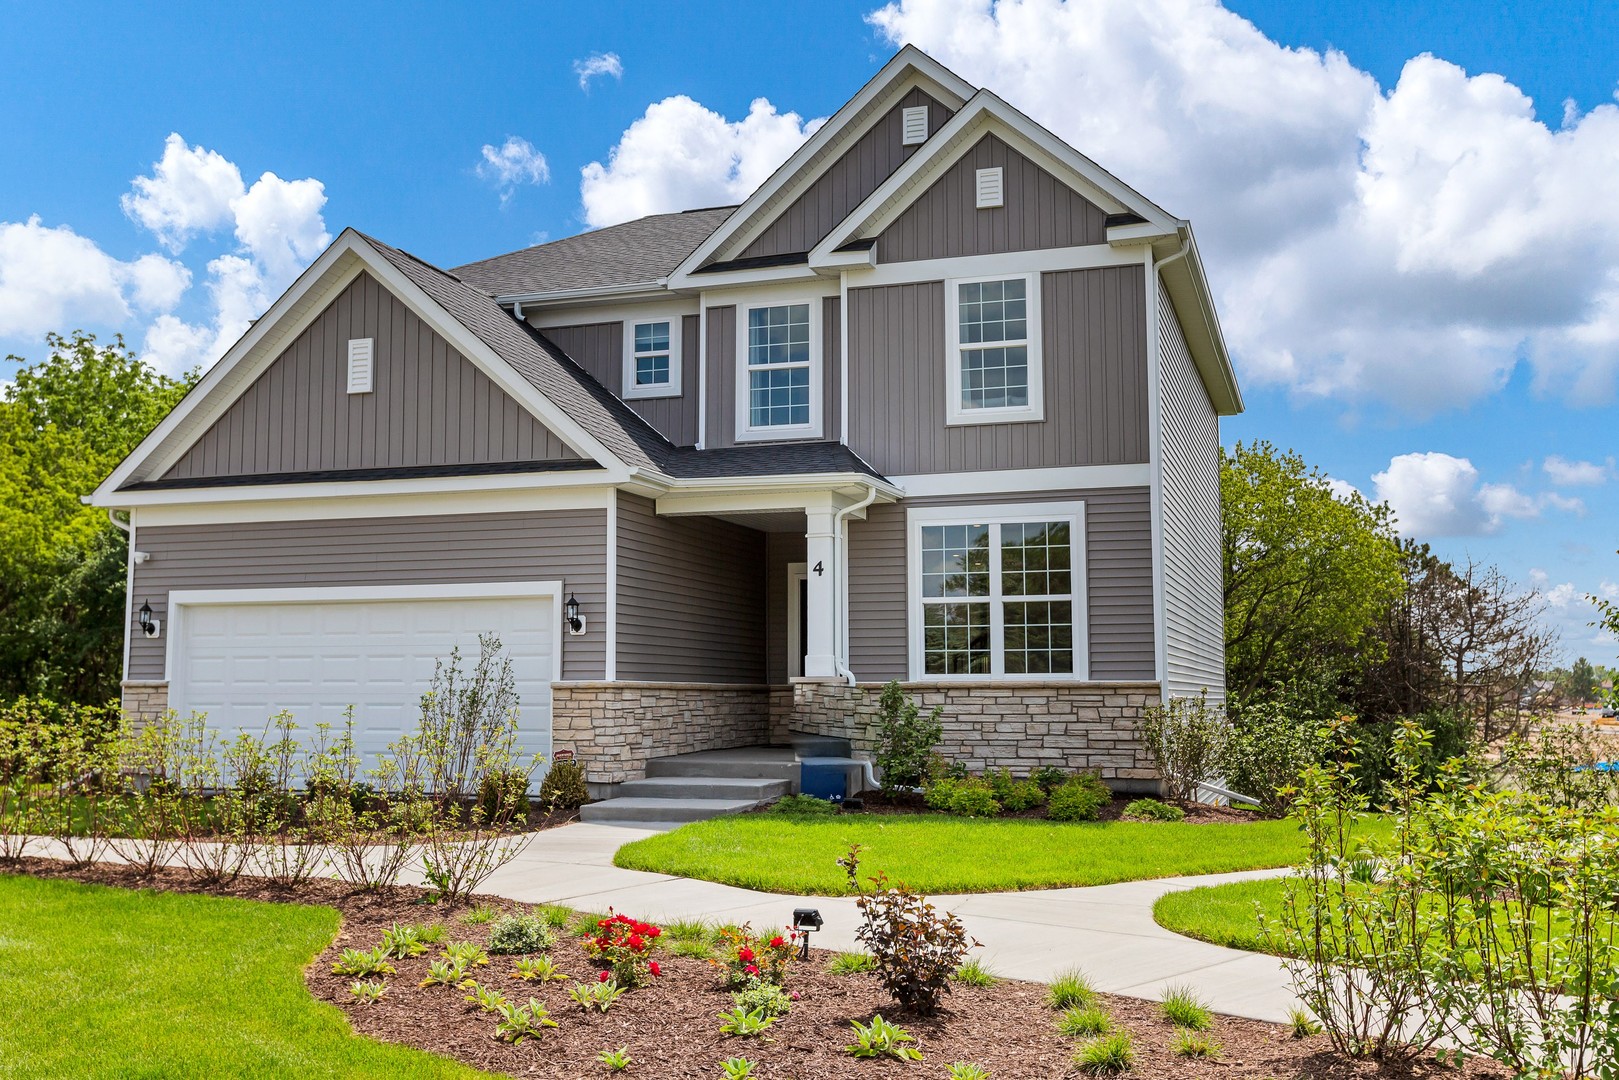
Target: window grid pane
1035, 559
652, 337
779, 335
995, 378
778, 397
955, 560
956, 638
1039, 637
652, 370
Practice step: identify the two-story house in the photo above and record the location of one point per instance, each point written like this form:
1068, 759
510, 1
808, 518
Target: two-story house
938, 403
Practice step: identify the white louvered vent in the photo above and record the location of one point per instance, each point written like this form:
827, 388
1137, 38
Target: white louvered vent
914, 127
991, 188
360, 365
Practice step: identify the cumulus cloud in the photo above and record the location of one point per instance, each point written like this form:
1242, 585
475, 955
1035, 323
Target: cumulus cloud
52, 278
680, 155
1577, 473
597, 65
512, 163
1405, 245
1569, 610
1434, 494
190, 191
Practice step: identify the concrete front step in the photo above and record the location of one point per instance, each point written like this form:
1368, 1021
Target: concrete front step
757, 789
746, 763
681, 810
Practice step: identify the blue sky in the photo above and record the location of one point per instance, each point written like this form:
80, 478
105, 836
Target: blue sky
1419, 278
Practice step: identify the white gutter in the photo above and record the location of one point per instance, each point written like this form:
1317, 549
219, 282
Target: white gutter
560, 295
841, 537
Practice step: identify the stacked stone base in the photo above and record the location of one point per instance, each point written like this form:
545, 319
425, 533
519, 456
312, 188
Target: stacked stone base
145, 700
613, 729
1019, 726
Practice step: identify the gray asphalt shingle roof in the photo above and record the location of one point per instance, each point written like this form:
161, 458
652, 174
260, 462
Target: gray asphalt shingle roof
643, 250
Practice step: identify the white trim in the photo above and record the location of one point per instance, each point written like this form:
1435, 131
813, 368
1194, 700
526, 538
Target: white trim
797, 575
998, 514
180, 599
665, 306
205, 511
843, 359
1006, 481
129, 595
745, 431
1046, 260
702, 370
610, 661
677, 334
626, 290
362, 489
744, 279
955, 414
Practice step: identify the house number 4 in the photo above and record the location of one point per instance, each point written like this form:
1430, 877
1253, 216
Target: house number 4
820, 568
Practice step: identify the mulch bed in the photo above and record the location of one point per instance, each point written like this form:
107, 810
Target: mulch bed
876, 802
670, 1027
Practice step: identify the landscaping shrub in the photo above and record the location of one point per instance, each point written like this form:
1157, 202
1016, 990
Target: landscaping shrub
1187, 739
1108, 1055
970, 797
1084, 1021
1079, 798
512, 934
624, 945
915, 947
1015, 796
1049, 777
1152, 810
761, 996
1271, 743
904, 739
748, 957
564, 786
882, 1039
1070, 990
803, 806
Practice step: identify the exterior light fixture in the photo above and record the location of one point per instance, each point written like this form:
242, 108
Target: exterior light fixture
576, 623
806, 921
149, 626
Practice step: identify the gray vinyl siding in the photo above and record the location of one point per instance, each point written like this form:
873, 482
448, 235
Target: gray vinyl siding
599, 349
555, 545
1194, 595
1118, 575
722, 373
781, 550
691, 597
843, 186
1040, 212
430, 405
1094, 345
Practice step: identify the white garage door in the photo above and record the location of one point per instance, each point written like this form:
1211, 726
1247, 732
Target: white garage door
242, 657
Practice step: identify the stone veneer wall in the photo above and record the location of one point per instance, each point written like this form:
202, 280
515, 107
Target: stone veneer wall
145, 700
614, 728
1016, 725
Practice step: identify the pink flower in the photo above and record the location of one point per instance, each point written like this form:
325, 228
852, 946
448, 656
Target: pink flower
655, 969
603, 977
793, 996
751, 969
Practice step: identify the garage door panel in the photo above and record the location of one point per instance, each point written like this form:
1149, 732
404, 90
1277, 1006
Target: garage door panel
240, 663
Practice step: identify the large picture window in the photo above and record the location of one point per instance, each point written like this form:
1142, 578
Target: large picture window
999, 593
778, 381
994, 362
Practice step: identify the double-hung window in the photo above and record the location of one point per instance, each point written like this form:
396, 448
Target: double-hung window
652, 357
994, 370
998, 592
778, 393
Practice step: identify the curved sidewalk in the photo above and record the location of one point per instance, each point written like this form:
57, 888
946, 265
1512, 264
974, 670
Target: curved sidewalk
1107, 931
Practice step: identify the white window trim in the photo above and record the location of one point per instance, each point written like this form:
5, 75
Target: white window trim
676, 335
998, 514
954, 414
745, 431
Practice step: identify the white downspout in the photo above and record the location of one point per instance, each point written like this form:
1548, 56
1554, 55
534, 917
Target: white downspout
840, 528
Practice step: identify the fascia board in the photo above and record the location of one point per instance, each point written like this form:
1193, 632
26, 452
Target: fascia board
1189, 294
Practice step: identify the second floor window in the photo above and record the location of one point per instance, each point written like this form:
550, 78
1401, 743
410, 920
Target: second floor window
994, 363
652, 358
778, 367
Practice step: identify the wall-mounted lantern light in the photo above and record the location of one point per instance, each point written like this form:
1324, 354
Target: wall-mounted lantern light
149, 626
576, 622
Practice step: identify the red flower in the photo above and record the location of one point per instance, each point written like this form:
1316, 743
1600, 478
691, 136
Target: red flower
744, 954
653, 931
655, 969
603, 977
636, 942
751, 969
777, 942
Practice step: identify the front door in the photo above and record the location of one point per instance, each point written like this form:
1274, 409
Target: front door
797, 617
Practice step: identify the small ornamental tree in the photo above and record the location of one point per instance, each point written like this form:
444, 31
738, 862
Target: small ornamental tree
915, 947
1187, 739
904, 739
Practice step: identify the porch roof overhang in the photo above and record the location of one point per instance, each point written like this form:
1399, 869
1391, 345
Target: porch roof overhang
758, 494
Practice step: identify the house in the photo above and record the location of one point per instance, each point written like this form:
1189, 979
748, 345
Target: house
938, 403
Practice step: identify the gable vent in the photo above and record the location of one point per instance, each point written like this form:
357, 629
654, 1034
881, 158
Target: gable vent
914, 127
991, 188
360, 365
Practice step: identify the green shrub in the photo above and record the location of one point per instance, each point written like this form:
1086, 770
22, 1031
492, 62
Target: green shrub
1080, 798
966, 1070
1015, 796
1187, 740
479, 915
852, 963
916, 946
971, 797
882, 1039
1152, 810
503, 795
762, 996
1084, 1022
803, 806
1106, 1056
975, 972
1193, 1044
564, 786
1272, 742
904, 740
1070, 989
1049, 777
512, 934
1182, 1008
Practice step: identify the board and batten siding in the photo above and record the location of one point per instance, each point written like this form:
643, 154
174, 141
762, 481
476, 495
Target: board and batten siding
1118, 576
599, 349
569, 546
430, 405
1040, 212
722, 372
844, 185
691, 597
1094, 345
1194, 595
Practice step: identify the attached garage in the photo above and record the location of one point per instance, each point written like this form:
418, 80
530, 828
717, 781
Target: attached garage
243, 655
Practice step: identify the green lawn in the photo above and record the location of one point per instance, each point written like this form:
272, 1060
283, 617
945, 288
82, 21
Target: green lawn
938, 854
1222, 914
115, 983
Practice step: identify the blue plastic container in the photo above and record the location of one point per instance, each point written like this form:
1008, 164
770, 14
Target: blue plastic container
828, 782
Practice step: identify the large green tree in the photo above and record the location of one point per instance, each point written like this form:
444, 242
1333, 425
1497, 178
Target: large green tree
65, 422
1309, 572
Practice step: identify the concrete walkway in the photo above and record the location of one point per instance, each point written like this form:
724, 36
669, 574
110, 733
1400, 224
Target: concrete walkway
1107, 931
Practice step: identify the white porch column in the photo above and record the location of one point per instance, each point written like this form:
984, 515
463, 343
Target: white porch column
821, 564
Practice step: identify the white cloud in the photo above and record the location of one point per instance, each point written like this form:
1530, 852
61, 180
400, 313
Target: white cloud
1434, 494
190, 191
1577, 473
51, 278
1570, 612
680, 155
279, 224
1405, 245
513, 162
596, 65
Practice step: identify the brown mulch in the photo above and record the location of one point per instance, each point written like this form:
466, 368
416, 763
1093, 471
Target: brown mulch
671, 1029
876, 802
